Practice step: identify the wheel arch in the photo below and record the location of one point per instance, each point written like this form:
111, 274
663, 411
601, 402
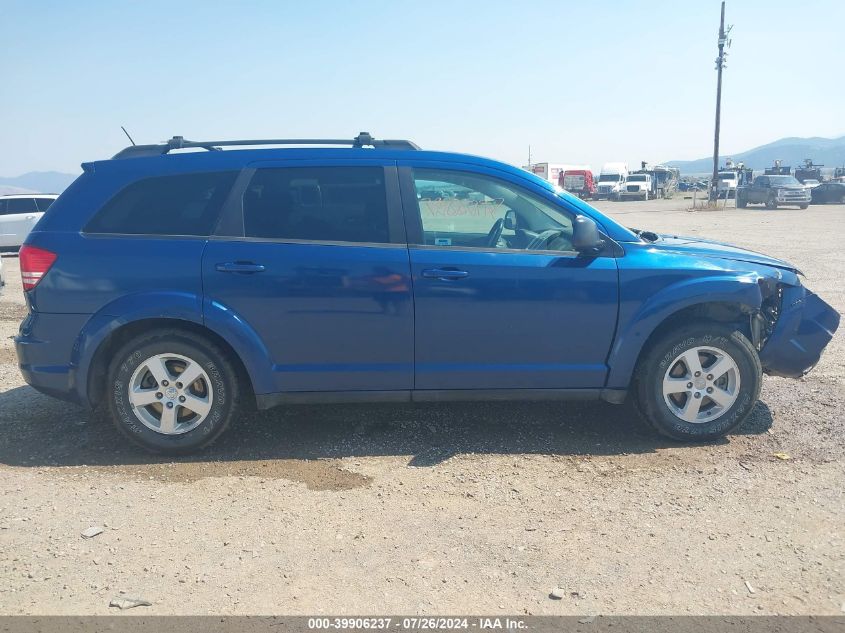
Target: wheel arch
122, 334
723, 300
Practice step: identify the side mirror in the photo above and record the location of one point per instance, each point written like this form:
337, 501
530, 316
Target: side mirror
510, 220
585, 236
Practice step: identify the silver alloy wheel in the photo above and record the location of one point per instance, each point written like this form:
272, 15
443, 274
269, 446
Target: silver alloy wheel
170, 394
701, 384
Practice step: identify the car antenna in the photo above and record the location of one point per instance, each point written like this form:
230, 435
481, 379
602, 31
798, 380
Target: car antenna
127, 135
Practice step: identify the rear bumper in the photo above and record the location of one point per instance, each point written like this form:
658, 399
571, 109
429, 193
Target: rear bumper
45, 347
803, 330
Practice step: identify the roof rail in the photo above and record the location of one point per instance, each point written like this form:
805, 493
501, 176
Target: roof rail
364, 139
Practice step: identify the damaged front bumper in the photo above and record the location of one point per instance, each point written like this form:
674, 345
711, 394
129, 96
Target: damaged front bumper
803, 329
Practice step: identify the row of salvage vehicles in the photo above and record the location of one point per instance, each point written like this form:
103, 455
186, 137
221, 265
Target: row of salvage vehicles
615, 182
778, 186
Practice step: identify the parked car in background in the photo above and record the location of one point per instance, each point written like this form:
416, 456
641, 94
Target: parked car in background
828, 192
773, 191
637, 186
691, 186
170, 289
18, 214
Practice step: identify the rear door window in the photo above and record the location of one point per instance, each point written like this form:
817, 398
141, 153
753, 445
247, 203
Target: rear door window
320, 204
184, 204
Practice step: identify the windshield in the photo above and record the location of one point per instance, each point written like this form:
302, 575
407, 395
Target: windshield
728, 176
637, 178
609, 178
783, 180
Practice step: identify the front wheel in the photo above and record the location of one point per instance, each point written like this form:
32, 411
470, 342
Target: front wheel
698, 382
171, 391
771, 203
803, 206
741, 201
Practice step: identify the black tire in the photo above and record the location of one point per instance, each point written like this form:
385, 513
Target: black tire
803, 206
741, 201
223, 394
657, 360
771, 203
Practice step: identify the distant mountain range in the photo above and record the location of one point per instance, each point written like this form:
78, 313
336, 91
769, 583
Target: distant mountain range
829, 152
36, 182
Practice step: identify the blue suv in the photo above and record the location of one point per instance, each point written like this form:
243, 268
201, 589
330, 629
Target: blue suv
171, 288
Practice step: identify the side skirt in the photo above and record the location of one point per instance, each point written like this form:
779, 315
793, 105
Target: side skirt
269, 400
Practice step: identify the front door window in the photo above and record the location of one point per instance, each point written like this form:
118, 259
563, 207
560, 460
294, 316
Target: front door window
463, 210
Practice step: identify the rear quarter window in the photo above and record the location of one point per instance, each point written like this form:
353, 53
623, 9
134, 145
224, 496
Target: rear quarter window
183, 204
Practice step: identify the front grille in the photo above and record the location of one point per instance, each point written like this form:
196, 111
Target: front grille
633, 188
793, 195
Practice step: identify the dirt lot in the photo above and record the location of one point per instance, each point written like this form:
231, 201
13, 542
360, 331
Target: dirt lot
445, 509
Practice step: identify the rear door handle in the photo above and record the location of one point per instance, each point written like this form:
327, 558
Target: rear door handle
444, 273
239, 267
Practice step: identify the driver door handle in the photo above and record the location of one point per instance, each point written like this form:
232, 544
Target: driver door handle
445, 273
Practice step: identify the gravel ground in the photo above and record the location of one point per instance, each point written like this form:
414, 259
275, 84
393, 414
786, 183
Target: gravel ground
465, 508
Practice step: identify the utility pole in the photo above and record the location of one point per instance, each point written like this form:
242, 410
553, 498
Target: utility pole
529, 157
720, 64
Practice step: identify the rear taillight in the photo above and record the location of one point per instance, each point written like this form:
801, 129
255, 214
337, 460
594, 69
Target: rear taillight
35, 262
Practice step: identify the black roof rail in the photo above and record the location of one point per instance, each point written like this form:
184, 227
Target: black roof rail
364, 139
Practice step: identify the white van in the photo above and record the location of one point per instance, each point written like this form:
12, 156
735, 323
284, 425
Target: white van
18, 214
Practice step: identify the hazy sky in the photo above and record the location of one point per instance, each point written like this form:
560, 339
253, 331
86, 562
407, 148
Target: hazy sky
582, 82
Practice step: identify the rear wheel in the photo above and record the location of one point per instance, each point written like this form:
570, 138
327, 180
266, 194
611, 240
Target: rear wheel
172, 391
741, 201
698, 382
